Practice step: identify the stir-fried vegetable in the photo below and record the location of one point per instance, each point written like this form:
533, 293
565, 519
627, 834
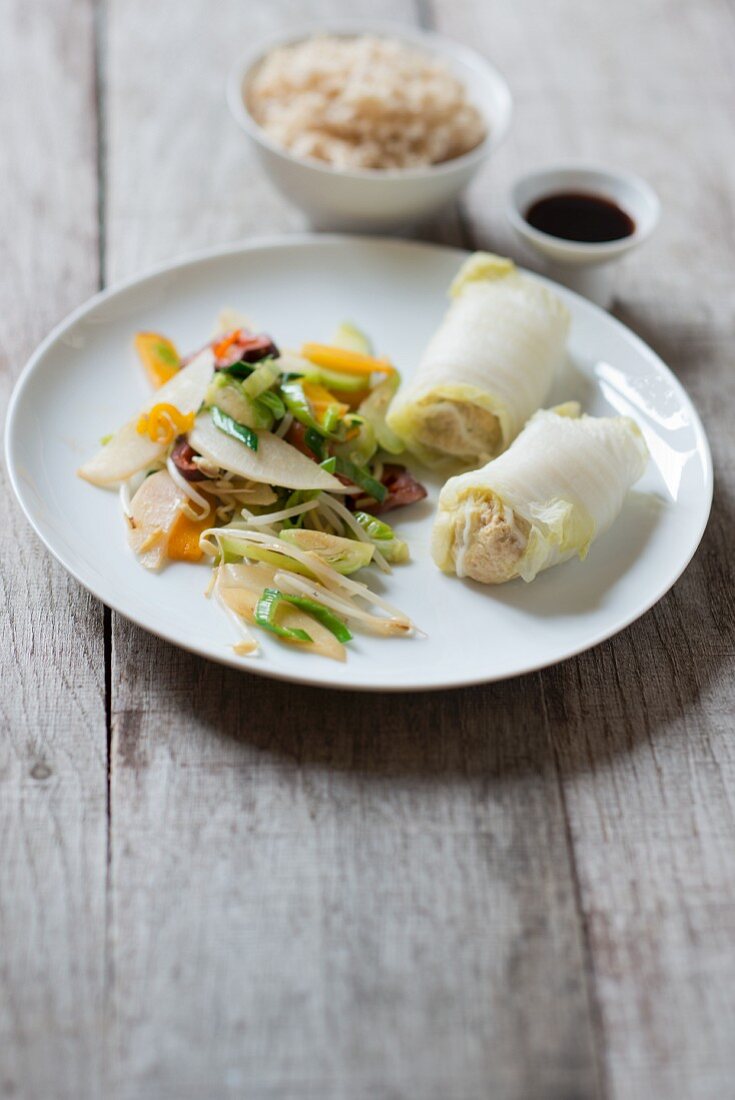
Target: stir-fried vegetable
261, 379
352, 338
322, 614
326, 409
374, 409
232, 427
164, 422
297, 402
270, 401
344, 555
158, 355
393, 549
343, 359
265, 616
359, 475
259, 459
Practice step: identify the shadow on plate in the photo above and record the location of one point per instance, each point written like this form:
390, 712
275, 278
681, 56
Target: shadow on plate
578, 587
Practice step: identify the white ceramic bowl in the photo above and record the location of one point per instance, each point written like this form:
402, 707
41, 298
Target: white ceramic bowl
374, 200
581, 265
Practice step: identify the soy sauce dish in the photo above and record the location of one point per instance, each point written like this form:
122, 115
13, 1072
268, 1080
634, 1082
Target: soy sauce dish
580, 219
575, 212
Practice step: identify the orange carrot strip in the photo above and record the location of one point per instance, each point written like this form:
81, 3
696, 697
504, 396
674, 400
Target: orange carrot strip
163, 422
321, 399
158, 355
351, 362
183, 539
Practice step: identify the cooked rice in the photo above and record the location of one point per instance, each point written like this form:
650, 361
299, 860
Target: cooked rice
363, 102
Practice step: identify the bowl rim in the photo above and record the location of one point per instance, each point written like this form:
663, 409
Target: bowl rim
516, 216
434, 42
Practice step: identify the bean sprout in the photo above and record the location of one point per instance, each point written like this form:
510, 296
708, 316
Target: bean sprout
344, 514
196, 498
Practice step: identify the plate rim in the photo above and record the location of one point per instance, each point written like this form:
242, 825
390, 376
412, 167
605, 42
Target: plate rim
303, 240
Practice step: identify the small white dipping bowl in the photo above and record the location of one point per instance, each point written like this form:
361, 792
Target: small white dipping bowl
374, 199
580, 265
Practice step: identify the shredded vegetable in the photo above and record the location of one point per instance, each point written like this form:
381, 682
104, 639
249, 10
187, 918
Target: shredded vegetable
257, 460
265, 616
229, 426
158, 355
322, 615
164, 422
344, 359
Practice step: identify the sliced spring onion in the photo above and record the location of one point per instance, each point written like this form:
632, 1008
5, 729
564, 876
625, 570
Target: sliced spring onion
315, 442
266, 610
312, 565
359, 444
239, 370
382, 535
376, 624
292, 392
231, 427
373, 527
331, 418
272, 402
261, 378
322, 615
360, 476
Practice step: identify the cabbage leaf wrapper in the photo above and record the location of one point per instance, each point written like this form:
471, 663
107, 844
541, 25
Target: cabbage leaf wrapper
486, 370
559, 486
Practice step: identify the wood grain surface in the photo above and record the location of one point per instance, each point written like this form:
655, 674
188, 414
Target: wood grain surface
213, 885
53, 745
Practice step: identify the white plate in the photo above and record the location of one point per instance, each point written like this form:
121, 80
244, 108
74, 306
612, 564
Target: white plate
83, 382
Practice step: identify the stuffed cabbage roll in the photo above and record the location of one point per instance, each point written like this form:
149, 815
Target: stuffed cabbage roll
488, 367
560, 485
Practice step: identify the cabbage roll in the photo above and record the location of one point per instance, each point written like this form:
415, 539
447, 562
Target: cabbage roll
488, 367
560, 485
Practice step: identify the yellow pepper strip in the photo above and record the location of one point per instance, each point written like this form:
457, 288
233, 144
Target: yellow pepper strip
321, 400
158, 355
183, 539
163, 422
351, 362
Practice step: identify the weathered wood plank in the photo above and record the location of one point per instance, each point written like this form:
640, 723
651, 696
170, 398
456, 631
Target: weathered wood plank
641, 727
327, 895
314, 895
52, 710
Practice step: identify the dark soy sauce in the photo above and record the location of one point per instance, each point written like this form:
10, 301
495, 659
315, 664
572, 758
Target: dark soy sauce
577, 216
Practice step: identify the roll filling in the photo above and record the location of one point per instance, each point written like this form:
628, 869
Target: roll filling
487, 368
558, 487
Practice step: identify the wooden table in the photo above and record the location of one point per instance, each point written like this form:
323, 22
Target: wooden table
213, 885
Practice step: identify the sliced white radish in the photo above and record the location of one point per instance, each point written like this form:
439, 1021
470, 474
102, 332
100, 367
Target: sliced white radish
128, 451
153, 511
275, 462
